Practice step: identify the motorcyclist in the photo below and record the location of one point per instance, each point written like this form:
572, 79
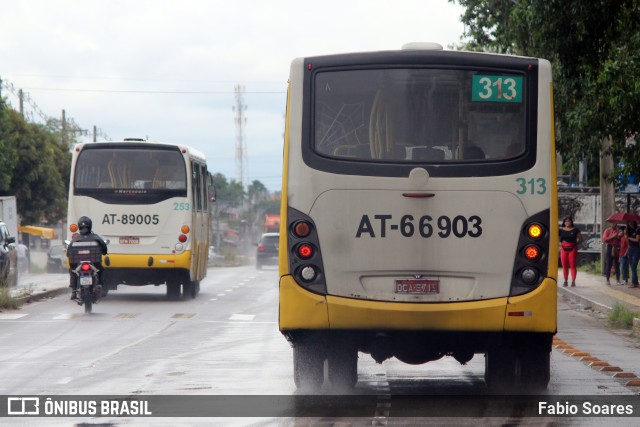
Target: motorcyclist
86, 235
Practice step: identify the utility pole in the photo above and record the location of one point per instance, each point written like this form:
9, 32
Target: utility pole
21, 102
241, 148
64, 129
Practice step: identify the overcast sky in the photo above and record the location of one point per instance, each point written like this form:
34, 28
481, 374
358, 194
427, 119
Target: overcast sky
166, 69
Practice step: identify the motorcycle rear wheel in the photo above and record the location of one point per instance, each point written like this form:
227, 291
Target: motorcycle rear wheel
88, 304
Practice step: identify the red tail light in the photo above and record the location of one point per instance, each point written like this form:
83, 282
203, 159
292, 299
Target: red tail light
182, 238
532, 252
260, 248
302, 229
85, 267
305, 250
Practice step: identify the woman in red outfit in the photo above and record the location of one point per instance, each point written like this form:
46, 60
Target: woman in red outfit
570, 240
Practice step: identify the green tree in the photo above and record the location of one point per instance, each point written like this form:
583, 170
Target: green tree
35, 169
594, 48
8, 155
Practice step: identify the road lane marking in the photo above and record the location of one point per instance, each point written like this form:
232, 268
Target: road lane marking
183, 315
242, 317
235, 322
66, 316
11, 316
126, 315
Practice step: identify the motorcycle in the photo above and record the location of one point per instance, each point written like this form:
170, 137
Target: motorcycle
89, 289
85, 256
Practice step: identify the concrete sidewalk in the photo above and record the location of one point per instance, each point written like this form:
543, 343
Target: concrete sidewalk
591, 292
34, 286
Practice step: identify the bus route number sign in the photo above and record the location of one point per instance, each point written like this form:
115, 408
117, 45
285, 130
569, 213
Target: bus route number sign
417, 286
496, 88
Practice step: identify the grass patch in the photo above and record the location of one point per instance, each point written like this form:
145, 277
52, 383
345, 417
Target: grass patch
621, 317
592, 267
6, 300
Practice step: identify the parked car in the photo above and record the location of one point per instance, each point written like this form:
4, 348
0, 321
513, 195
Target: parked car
56, 259
8, 258
267, 253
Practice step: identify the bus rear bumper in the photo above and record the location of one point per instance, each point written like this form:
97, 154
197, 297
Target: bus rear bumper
118, 260
141, 270
532, 312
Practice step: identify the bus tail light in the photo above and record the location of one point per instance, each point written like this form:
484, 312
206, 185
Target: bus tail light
532, 252
301, 229
182, 238
529, 275
304, 253
308, 273
304, 250
535, 231
531, 262
185, 229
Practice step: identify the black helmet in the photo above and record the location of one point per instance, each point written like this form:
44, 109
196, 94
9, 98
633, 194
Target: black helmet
84, 225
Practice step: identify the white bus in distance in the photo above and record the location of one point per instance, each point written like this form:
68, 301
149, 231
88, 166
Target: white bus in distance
151, 201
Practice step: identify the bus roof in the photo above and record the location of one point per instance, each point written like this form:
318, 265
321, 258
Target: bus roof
140, 142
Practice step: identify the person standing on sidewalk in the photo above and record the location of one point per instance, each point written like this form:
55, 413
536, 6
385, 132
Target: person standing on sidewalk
624, 257
570, 239
23, 257
634, 251
611, 237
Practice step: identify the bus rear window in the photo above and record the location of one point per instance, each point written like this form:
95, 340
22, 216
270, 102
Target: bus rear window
130, 169
419, 115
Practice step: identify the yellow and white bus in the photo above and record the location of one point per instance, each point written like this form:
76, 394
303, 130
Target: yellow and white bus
419, 213
150, 200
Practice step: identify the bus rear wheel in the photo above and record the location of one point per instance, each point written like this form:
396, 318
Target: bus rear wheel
191, 289
308, 366
500, 370
173, 291
343, 367
524, 368
535, 369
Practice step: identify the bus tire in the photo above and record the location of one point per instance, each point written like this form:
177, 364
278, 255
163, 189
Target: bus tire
535, 369
342, 369
500, 369
191, 289
308, 366
173, 291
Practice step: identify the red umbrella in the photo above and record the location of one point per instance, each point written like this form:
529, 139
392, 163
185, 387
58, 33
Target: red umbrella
623, 217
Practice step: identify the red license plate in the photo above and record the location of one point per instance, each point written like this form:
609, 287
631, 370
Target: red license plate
129, 240
417, 286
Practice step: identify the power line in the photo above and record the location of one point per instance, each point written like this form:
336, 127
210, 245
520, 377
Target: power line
162, 92
69, 125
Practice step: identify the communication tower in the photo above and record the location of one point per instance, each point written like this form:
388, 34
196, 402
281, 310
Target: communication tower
241, 148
